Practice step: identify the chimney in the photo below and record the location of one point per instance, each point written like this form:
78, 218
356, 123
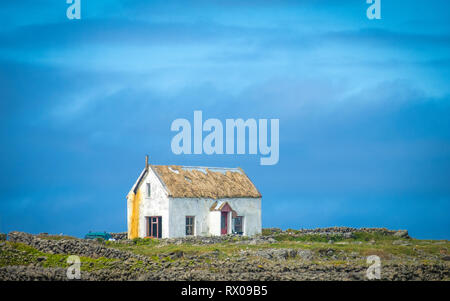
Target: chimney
146, 161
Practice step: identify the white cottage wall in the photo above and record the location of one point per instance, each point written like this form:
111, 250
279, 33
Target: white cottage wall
208, 222
214, 223
155, 205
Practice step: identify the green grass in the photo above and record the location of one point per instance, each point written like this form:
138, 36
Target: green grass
309, 238
376, 236
145, 241
363, 245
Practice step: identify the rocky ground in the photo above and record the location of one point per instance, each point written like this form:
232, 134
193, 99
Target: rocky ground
338, 253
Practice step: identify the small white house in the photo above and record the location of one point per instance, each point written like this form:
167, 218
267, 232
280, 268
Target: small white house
177, 201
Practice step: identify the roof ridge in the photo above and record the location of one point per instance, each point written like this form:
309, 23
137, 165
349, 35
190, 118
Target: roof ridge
193, 166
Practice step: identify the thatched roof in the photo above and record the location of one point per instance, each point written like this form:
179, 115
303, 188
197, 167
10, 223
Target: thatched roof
205, 182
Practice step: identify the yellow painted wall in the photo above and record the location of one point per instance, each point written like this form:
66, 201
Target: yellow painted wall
135, 203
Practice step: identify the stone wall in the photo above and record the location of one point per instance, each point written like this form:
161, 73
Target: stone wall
345, 231
92, 248
80, 247
119, 235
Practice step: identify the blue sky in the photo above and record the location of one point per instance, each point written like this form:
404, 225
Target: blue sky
364, 107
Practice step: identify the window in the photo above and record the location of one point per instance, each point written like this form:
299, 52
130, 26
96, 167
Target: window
189, 225
149, 190
154, 226
238, 224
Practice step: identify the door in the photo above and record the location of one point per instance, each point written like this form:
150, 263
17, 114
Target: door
224, 223
155, 226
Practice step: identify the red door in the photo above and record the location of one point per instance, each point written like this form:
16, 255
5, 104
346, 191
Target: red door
224, 223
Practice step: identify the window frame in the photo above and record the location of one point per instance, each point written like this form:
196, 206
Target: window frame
154, 220
241, 218
191, 225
